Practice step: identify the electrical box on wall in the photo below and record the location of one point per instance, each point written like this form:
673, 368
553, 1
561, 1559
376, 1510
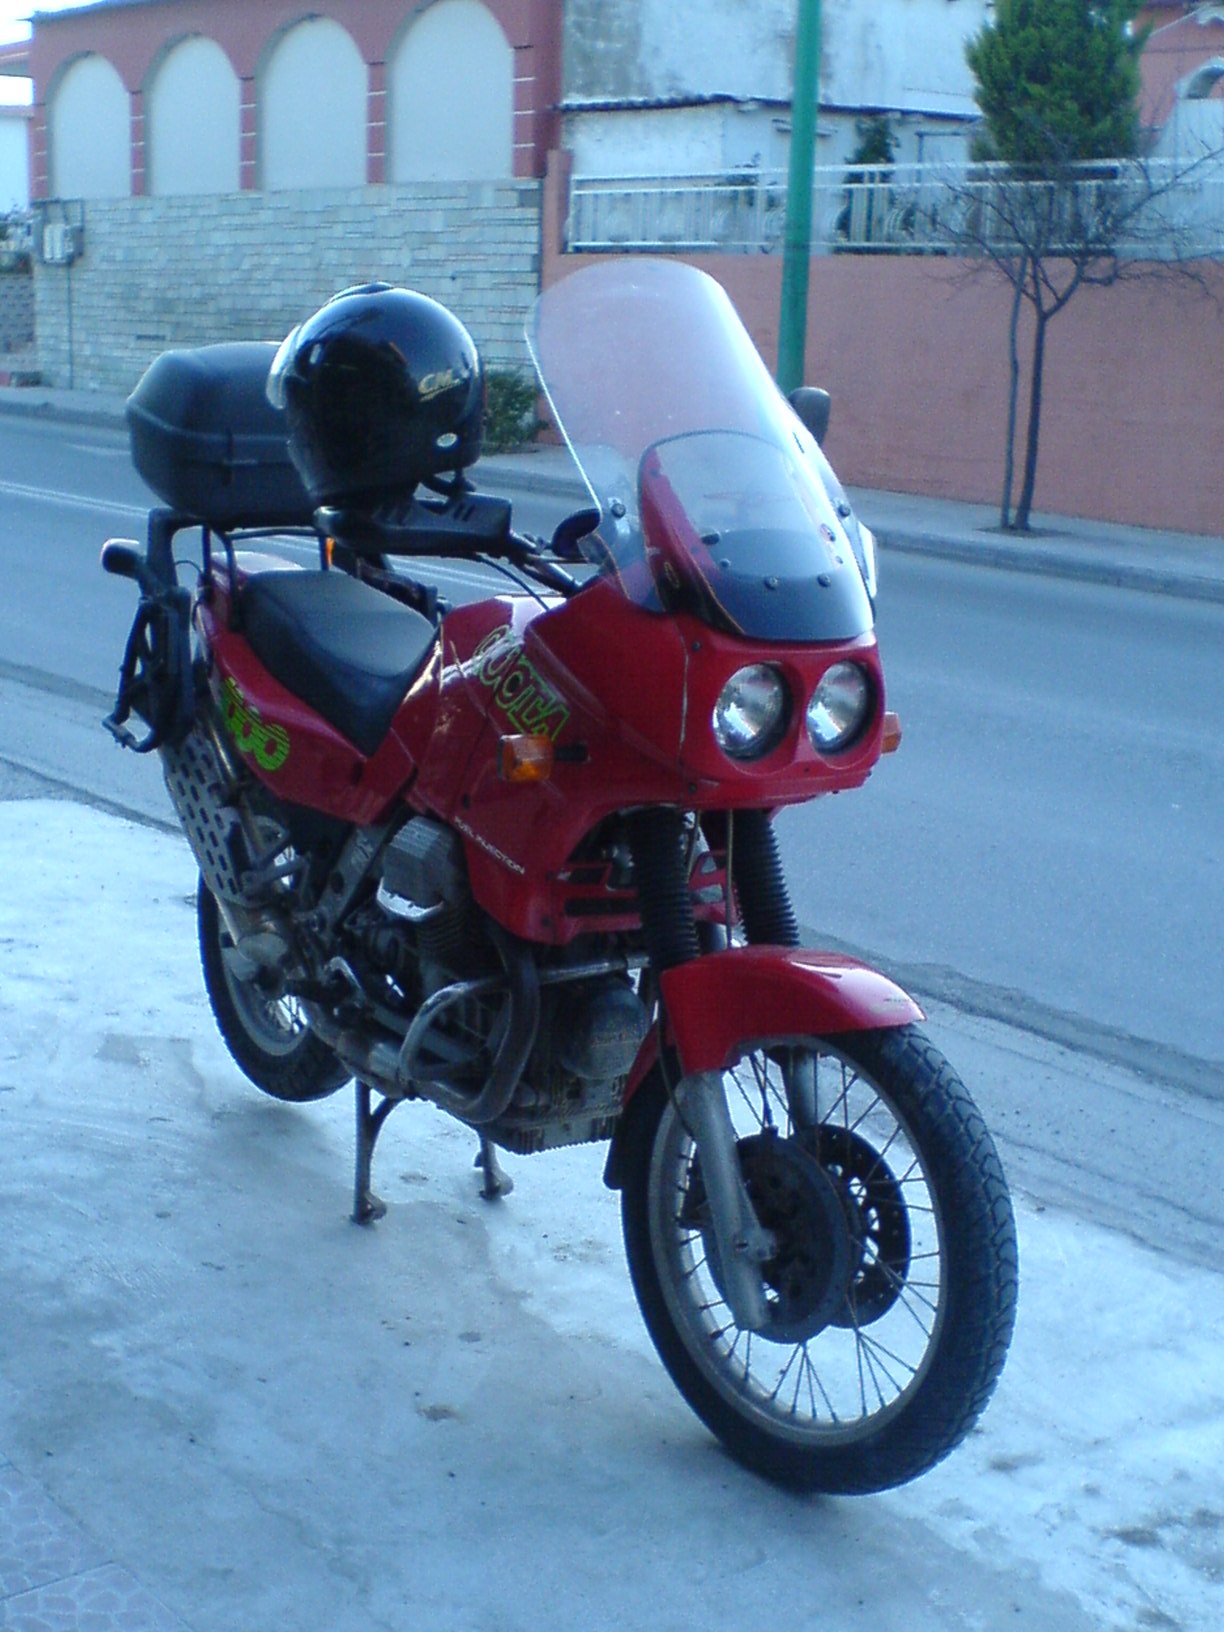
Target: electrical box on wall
61, 243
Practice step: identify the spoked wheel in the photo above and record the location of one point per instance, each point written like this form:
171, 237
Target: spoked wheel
265, 1031
891, 1289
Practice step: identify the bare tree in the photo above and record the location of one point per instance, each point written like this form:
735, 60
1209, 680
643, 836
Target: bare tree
1070, 206
1054, 229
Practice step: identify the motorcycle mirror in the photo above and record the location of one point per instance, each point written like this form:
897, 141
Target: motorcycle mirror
813, 407
571, 531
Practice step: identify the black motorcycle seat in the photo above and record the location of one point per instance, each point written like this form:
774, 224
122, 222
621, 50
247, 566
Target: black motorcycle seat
343, 647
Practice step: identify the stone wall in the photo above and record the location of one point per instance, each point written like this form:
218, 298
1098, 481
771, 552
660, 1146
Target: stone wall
163, 272
16, 312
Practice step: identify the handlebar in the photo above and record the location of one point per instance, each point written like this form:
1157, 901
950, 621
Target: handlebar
475, 525
123, 558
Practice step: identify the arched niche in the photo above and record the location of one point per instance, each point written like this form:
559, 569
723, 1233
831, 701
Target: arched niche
313, 90
450, 85
1199, 85
192, 121
89, 131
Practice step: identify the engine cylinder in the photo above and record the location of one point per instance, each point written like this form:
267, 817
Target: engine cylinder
602, 1029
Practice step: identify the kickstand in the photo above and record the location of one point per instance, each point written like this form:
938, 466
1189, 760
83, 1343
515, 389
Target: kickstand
497, 1182
366, 1205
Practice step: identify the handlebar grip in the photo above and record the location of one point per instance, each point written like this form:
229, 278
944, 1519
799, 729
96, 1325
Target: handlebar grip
123, 557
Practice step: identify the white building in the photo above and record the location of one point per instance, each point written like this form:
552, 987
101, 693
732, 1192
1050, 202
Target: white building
702, 87
14, 158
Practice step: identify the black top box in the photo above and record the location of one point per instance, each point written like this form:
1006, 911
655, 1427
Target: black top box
209, 443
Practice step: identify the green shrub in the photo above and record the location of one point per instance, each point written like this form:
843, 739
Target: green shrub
510, 410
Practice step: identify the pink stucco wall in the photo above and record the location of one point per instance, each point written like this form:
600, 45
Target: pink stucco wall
133, 38
1178, 44
914, 352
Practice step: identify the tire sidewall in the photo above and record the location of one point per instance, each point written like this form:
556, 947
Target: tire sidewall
304, 1072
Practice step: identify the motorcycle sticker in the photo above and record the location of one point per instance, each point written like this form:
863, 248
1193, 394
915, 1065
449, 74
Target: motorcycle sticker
268, 744
520, 693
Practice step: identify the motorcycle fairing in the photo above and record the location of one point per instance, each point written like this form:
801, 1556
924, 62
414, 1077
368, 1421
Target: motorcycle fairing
726, 537
657, 681
589, 673
627, 699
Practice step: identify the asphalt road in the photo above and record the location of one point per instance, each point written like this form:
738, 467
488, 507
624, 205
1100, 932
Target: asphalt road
1048, 844
1047, 848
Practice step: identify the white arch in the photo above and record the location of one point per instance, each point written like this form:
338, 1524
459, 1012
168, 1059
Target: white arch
1200, 84
192, 121
450, 97
313, 109
89, 129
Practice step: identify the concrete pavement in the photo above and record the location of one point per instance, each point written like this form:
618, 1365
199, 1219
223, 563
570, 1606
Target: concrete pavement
1187, 565
226, 1409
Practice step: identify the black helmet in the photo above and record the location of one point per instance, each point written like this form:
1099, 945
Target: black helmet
383, 388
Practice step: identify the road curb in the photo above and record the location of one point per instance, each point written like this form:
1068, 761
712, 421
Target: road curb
1111, 574
101, 413
516, 472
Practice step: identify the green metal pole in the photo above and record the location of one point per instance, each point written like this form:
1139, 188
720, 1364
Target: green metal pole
797, 249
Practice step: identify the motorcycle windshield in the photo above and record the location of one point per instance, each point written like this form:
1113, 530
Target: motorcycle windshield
713, 497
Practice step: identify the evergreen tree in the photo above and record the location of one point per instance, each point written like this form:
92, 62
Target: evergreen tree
1058, 80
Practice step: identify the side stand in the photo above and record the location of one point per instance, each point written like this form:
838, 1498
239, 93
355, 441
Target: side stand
497, 1182
366, 1205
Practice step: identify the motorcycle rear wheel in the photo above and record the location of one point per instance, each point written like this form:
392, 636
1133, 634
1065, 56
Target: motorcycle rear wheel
893, 1292
267, 1035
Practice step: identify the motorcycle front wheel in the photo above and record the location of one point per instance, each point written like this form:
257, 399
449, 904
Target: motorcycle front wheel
266, 1033
891, 1292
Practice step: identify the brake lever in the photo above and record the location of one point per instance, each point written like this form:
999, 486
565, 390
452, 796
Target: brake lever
528, 552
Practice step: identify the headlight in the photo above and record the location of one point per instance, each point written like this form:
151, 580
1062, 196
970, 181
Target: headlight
750, 714
839, 707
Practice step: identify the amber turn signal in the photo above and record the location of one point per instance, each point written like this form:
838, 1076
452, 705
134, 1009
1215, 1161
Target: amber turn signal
526, 759
892, 733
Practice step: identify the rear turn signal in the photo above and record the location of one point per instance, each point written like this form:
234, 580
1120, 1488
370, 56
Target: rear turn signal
525, 759
892, 733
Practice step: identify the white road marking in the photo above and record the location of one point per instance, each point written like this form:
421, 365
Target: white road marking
71, 501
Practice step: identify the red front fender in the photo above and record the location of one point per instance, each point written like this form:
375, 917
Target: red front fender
721, 1004
718, 1003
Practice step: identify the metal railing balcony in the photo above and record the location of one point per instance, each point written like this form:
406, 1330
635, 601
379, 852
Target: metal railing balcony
1153, 209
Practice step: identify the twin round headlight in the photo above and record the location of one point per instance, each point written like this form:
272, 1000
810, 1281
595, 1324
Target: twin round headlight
750, 714
753, 709
839, 707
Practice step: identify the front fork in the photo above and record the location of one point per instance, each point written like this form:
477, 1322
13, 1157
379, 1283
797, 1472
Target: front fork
744, 1245
658, 843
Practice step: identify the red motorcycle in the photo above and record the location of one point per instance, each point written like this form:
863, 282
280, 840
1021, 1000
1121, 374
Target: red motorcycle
517, 857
